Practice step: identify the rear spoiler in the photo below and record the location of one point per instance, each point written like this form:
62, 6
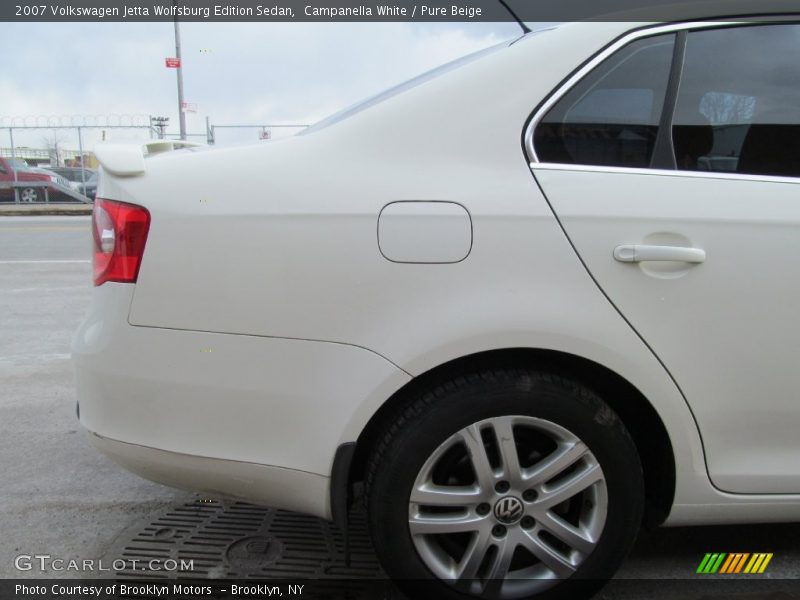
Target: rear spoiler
127, 159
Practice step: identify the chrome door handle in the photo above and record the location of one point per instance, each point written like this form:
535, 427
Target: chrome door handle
640, 253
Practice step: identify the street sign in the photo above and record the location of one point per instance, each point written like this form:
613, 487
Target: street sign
172, 63
188, 107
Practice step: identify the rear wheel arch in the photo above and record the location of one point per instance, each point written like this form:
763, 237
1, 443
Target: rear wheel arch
635, 411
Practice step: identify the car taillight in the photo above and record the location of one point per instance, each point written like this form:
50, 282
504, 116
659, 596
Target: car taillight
120, 232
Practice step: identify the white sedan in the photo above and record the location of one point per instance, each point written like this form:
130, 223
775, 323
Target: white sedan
529, 299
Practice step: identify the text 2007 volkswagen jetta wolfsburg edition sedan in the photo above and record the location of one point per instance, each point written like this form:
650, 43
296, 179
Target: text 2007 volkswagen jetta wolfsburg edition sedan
529, 300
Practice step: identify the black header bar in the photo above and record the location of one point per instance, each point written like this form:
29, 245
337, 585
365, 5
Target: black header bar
391, 11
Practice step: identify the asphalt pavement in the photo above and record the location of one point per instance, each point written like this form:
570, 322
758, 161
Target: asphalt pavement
58, 496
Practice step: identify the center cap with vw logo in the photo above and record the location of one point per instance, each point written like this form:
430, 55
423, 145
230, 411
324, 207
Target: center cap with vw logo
508, 510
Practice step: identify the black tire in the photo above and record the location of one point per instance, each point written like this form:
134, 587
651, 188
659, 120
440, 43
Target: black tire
424, 422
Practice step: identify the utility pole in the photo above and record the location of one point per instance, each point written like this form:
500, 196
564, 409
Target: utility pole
209, 132
160, 124
179, 70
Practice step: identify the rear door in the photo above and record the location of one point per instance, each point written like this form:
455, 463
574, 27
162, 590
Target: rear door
672, 163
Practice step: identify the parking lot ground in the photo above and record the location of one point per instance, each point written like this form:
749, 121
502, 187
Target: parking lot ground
58, 496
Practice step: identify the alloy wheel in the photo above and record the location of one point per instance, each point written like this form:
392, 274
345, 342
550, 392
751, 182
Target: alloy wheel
28, 195
508, 507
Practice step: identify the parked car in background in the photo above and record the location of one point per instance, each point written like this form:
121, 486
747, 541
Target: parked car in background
16, 170
523, 303
75, 175
89, 188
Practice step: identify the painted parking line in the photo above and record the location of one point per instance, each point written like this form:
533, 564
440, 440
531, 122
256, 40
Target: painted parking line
16, 229
29, 219
45, 262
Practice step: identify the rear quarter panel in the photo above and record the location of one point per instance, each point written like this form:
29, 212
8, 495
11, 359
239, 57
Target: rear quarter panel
280, 240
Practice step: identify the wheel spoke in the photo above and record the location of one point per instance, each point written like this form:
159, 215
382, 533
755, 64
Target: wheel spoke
504, 431
554, 561
567, 533
429, 494
498, 569
432, 524
480, 459
558, 461
573, 485
473, 556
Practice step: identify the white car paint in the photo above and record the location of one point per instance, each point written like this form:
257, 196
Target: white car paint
119, 158
734, 360
736, 355
267, 326
424, 232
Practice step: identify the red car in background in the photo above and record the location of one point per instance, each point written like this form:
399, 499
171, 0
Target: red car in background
26, 173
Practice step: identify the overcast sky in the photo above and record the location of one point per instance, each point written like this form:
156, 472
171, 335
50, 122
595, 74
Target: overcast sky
234, 72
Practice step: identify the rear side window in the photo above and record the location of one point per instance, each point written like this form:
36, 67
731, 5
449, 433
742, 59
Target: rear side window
738, 105
612, 116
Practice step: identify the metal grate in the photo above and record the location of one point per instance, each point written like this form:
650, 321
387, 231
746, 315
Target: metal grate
238, 540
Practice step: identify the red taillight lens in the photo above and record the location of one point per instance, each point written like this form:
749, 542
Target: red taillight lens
120, 232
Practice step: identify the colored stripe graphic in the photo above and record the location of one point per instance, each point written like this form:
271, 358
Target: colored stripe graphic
759, 562
703, 564
730, 564
741, 562
711, 563
734, 563
727, 564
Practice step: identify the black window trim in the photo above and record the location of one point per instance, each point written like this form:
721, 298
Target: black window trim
663, 152
664, 149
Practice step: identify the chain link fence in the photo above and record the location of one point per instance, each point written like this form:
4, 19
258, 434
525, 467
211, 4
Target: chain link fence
49, 158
